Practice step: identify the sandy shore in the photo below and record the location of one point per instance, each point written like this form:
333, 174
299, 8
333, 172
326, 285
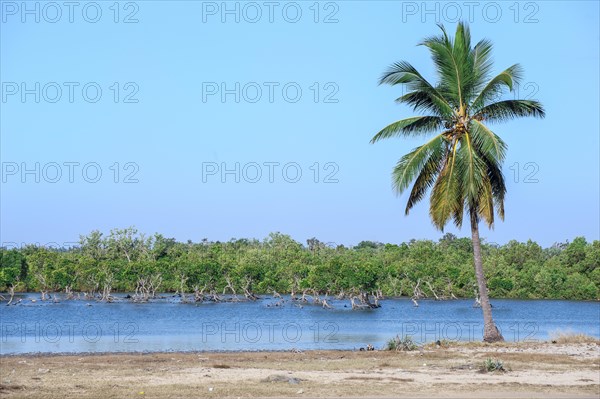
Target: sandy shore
534, 370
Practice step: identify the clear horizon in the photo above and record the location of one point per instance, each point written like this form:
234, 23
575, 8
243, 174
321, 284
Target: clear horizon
66, 244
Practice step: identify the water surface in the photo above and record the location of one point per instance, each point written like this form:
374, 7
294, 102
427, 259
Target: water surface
167, 325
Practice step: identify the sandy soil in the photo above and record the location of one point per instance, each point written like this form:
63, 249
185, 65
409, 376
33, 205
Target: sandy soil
534, 370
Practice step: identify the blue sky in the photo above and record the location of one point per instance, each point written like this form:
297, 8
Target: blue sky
300, 97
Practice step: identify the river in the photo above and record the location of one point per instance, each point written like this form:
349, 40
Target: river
71, 326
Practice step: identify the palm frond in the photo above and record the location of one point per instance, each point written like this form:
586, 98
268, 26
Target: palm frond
411, 165
471, 169
505, 79
443, 39
461, 50
486, 141
461, 69
448, 69
426, 178
496, 179
458, 214
413, 126
485, 205
482, 61
404, 73
446, 192
425, 101
510, 109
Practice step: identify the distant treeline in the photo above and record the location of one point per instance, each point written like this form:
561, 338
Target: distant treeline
127, 261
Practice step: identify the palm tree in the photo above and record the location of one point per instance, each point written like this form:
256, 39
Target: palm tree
461, 164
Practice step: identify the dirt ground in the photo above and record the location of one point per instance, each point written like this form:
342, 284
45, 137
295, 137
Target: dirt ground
532, 370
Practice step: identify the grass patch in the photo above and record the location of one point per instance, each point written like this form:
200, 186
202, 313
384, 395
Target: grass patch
568, 337
405, 343
221, 366
492, 365
444, 344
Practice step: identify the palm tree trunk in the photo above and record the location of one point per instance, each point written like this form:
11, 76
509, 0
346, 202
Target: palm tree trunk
490, 331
